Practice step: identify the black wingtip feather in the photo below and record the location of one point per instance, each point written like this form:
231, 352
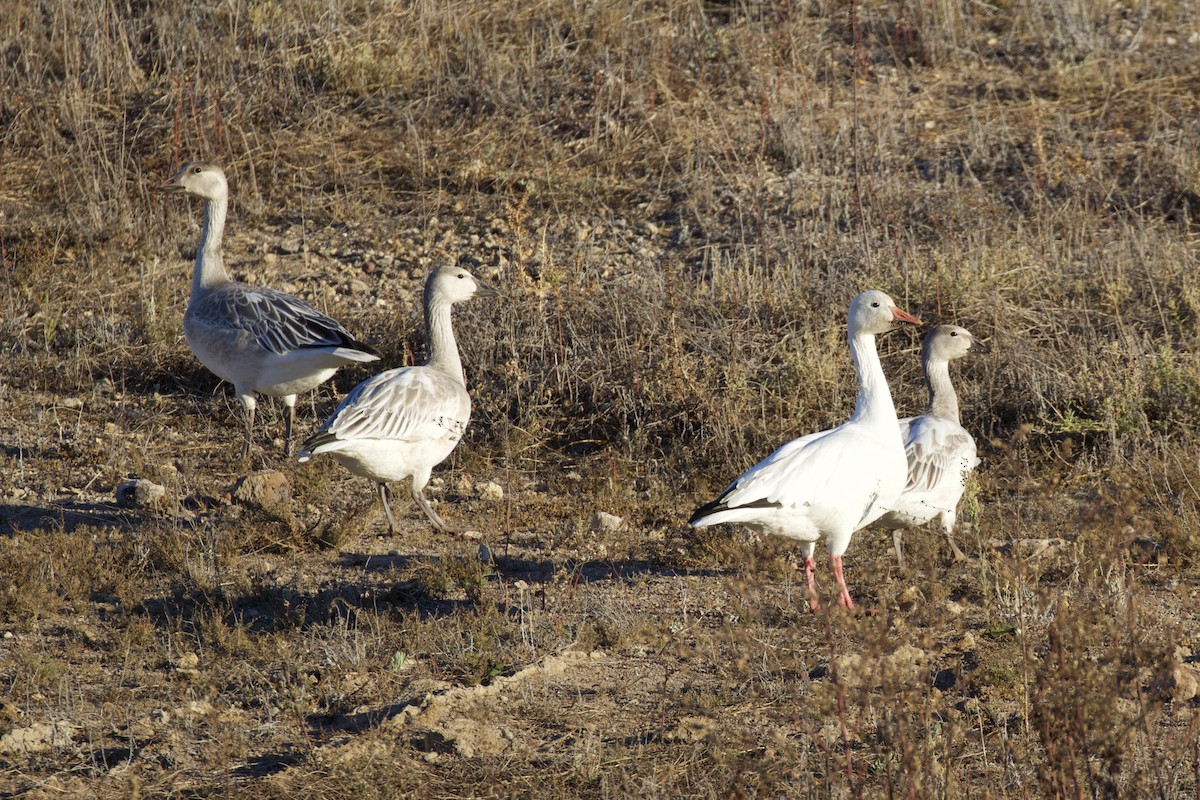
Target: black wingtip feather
317, 439
363, 347
719, 505
347, 341
706, 509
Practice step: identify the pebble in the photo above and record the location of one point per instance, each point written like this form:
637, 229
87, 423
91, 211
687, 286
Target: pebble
603, 521
489, 490
140, 493
268, 489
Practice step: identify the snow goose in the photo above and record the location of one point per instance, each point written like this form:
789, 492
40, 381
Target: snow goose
834, 482
257, 338
402, 423
941, 454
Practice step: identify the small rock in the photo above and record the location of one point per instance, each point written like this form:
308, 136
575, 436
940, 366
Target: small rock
187, 661
267, 489
37, 738
691, 729
140, 493
194, 708
1183, 685
489, 490
9, 713
608, 523
1036, 548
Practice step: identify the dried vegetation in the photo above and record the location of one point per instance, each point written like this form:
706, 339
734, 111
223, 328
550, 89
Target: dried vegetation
678, 199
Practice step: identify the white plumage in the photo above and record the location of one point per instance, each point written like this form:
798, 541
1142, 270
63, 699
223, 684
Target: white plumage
941, 453
257, 338
402, 423
832, 483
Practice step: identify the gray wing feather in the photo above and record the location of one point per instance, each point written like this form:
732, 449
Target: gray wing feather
279, 322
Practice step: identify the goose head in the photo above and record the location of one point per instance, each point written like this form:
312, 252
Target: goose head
454, 285
199, 179
873, 312
948, 342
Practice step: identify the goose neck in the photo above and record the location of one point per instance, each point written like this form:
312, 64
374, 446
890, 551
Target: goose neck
874, 404
943, 400
443, 349
210, 264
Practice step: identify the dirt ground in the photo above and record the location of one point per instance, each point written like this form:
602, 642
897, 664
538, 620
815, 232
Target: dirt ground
676, 202
254, 629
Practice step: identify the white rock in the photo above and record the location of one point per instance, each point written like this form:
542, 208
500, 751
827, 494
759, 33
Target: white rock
609, 523
37, 738
489, 490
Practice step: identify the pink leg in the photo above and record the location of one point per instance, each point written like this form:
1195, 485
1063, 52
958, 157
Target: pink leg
843, 592
810, 569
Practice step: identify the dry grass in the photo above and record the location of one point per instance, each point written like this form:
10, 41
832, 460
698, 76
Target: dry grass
678, 200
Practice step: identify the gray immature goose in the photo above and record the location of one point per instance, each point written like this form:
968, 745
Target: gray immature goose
941, 454
259, 339
402, 423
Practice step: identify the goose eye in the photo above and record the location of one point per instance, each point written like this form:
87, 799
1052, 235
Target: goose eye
462, 275
875, 304
954, 333
197, 170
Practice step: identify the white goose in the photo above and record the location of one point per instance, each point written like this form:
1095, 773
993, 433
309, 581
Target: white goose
834, 482
941, 454
402, 423
257, 338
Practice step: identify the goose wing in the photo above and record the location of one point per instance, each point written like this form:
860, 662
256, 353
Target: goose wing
773, 481
407, 404
824, 468
941, 454
278, 322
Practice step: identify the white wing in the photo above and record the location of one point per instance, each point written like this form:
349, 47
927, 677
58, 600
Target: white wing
830, 478
408, 404
941, 456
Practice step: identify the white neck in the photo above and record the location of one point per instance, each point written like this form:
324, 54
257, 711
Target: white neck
874, 404
443, 350
210, 265
943, 401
